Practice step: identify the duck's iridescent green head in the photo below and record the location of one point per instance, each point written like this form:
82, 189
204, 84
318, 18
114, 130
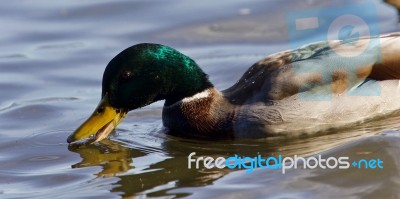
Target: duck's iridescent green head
139, 76
145, 73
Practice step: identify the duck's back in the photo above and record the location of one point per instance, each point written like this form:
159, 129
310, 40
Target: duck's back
319, 86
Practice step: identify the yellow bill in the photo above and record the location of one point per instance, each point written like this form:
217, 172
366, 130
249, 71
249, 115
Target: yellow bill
100, 124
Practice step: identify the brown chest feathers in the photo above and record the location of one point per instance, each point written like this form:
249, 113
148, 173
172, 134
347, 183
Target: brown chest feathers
206, 114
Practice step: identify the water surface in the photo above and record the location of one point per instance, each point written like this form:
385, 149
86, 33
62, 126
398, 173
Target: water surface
51, 62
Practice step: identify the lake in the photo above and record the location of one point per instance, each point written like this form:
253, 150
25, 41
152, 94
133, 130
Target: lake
52, 58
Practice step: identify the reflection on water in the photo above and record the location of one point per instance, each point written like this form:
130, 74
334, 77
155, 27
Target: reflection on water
51, 62
112, 157
155, 171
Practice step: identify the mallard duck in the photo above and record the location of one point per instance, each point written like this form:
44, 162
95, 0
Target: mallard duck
324, 85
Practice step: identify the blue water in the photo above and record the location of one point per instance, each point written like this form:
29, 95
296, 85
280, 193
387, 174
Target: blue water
52, 57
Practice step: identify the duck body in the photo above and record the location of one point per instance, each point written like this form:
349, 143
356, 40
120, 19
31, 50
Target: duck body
321, 86
205, 114
268, 100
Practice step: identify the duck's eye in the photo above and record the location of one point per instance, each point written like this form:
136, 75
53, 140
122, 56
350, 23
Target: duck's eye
100, 110
118, 110
126, 74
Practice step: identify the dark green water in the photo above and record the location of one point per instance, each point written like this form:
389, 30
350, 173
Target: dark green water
52, 56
